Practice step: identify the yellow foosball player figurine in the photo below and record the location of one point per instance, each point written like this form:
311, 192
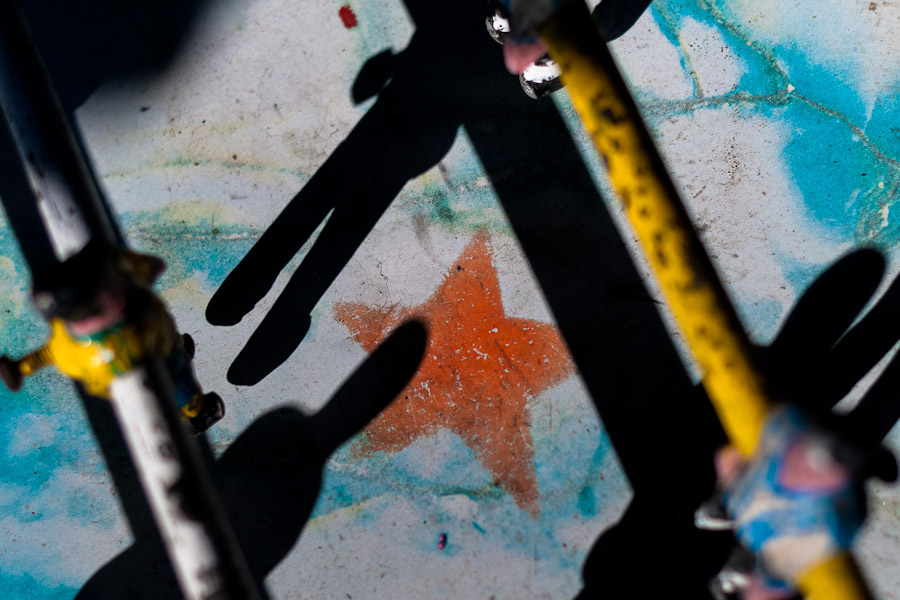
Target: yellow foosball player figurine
104, 318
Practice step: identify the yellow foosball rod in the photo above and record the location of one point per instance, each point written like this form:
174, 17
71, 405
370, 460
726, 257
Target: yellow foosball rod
691, 287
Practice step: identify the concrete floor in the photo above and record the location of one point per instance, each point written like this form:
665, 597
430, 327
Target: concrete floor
549, 402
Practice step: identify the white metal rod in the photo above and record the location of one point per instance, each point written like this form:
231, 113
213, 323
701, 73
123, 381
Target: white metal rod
191, 521
197, 535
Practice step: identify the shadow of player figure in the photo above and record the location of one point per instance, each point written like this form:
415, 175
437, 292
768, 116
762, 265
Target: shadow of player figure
270, 477
450, 75
407, 131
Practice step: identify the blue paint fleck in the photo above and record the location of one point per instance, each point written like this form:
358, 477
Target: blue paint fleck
586, 501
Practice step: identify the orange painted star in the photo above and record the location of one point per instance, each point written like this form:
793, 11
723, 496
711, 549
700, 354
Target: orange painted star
480, 369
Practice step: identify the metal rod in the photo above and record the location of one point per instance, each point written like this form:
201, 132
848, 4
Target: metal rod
67, 196
692, 289
714, 335
201, 545
199, 540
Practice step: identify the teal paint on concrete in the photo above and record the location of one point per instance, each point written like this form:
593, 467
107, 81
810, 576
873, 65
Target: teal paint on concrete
25, 586
586, 501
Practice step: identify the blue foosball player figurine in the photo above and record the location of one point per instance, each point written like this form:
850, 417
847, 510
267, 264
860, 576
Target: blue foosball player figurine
797, 503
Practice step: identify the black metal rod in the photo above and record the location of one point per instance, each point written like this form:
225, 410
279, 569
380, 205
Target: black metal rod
67, 196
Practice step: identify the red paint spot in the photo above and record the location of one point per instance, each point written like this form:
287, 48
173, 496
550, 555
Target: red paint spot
347, 16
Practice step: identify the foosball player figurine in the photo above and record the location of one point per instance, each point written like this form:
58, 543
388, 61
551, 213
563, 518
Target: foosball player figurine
104, 318
527, 56
797, 503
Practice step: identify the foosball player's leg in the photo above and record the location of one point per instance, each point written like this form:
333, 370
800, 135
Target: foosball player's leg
200, 411
207, 409
13, 372
10, 373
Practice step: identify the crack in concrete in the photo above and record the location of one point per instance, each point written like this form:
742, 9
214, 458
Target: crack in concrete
669, 108
863, 138
782, 97
686, 60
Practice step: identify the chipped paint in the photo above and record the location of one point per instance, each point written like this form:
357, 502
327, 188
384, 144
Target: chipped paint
348, 17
